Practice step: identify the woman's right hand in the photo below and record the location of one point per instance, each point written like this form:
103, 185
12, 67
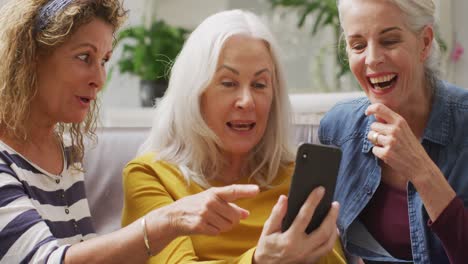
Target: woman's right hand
209, 212
294, 245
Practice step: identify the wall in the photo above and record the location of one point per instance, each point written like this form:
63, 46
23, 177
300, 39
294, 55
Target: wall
299, 49
460, 20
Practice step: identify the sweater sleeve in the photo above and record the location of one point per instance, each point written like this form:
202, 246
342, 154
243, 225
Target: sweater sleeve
452, 228
24, 235
143, 192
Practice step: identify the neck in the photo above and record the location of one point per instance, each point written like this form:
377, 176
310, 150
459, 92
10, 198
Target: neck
38, 134
418, 110
233, 170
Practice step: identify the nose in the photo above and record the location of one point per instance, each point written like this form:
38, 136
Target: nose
245, 99
374, 56
97, 77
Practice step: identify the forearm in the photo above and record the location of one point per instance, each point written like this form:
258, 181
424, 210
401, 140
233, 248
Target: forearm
436, 193
123, 246
452, 229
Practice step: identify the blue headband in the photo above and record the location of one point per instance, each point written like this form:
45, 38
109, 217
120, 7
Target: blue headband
48, 11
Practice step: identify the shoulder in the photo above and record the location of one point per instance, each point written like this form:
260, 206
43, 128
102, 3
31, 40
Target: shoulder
457, 98
284, 174
456, 95
456, 108
345, 120
146, 167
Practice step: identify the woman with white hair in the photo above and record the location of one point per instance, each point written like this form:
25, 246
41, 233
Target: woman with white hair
54, 54
403, 183
224, 120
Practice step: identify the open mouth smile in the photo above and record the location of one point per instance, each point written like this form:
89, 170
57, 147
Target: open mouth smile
383, 82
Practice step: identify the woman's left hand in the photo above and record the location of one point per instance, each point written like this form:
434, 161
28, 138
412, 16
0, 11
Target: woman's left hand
400, 149
395, 143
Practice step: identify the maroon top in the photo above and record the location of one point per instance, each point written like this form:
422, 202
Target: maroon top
389, 208
386, 219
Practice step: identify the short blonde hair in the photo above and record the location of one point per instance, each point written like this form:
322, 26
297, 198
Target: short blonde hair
22, 43
180, 134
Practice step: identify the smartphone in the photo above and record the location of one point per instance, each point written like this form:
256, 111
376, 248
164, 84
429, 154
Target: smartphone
316, 165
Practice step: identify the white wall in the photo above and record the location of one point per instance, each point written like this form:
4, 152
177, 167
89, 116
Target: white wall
460, 20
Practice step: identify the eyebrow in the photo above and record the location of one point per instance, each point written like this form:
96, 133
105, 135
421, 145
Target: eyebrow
87, 44
390, 29
237, 72
386, 30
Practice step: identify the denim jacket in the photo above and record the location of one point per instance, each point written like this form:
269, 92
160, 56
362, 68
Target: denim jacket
445, 140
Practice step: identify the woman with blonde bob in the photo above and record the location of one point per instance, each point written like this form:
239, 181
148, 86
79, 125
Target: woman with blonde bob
225, 119
53, 65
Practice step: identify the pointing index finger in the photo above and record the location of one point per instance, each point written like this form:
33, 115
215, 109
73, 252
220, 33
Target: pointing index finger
236, 191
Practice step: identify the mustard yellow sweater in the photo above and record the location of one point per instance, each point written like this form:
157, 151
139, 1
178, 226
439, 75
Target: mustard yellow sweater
149, 185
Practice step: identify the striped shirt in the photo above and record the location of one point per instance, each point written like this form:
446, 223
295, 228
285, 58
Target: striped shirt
41, 214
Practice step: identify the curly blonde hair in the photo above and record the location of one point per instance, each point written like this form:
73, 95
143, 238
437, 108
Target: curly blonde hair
22, 42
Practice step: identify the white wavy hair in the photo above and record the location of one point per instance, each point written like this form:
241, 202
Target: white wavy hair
180, 135
418, 14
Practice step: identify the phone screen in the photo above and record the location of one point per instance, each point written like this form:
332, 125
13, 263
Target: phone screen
316, 165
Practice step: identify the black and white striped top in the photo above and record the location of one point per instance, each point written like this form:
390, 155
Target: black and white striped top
41, 214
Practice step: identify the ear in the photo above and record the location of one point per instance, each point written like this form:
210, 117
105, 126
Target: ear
427, 37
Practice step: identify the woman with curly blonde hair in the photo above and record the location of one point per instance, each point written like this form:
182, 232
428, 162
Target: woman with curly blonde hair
53, 56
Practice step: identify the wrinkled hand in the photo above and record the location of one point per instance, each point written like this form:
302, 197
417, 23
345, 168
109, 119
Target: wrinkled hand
294, 245
395, 143
209, 212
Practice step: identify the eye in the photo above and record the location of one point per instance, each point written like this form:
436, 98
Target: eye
228, 84
390, 42
358, 46
259, 85
104, 61
83, 57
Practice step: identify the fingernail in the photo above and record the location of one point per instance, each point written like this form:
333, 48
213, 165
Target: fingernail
320, 191
245, 214
253, 187
281, 198
336, 204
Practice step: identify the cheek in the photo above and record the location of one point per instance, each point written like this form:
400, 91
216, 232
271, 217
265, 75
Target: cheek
212, 109
264, 106
356, 64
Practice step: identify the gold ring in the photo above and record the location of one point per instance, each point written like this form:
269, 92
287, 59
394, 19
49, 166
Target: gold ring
375, 138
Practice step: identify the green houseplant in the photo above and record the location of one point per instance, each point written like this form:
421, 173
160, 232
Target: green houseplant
325, 15
148, 52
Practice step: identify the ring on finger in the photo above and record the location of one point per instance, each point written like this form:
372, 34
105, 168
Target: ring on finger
375, 138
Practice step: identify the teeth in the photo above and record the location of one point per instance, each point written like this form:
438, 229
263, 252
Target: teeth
241, 126
382, 79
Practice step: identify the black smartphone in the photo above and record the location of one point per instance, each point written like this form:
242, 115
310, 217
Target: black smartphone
316, 165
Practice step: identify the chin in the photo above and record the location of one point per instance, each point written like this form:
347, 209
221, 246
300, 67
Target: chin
240, 150
75, 119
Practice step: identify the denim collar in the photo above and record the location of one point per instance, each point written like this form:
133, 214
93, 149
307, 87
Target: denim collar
439, 124
367, 146
438, 129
